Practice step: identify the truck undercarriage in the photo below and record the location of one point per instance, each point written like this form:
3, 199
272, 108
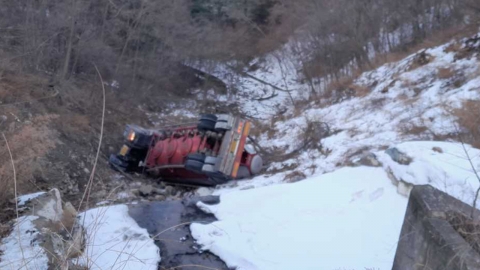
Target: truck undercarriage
208, 153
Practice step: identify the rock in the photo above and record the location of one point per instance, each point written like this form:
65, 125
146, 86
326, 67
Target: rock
294, 177
49, 206
146, 190
55, 247
404, 188
160, 198
247, 187
438, 150
75, 246
398, 156
69, 217
170, 190
203, 191
101, 194
369, 159
135, 192
159, 191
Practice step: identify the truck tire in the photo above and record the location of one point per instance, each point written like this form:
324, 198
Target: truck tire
207, 122
208, 168
196, 156
210, 160
208, 117
222, 126
194, 166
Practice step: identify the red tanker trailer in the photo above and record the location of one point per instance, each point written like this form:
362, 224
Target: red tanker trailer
207, 153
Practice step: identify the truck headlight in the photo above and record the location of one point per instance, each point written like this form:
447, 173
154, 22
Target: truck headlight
131, 136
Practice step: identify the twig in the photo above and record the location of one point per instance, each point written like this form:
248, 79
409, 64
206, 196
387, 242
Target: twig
475, 172
259, 80
90, 181
191, 265
16, 198
266, 98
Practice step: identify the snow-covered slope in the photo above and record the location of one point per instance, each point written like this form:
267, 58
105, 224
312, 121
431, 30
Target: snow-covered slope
404, 102
350, 218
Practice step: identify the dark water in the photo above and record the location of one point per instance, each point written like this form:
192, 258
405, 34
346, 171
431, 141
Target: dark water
177, 247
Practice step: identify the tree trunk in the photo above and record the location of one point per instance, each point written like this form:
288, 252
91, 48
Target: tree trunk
66, 63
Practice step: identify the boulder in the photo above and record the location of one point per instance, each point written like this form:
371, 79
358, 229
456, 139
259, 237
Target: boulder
170, 190
146, 190
48, 206
75, 246
203, 191
370, 160
398, 156
69, 217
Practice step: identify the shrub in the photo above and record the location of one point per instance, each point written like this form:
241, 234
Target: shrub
469, 120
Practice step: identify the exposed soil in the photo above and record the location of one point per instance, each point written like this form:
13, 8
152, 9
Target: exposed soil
53, 133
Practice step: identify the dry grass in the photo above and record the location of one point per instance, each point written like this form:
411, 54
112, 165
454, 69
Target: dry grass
469, 120
344, 88
455, 47
445, 73
421, 59
467, 228
294, 177
416, 130
436, 39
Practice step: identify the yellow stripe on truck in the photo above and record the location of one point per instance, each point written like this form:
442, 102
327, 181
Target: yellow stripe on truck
246, 131
235, 169
233, 146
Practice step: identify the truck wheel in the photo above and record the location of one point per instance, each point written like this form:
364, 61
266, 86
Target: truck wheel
207, 122
208, 168
194, 166
209, 117
210, 160
196, 156
222, 126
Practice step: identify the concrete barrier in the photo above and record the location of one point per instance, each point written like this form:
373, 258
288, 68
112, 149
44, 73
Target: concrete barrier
428, 241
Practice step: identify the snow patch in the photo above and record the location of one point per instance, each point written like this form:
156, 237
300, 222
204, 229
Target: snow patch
321, 223
443, 165
20, 248
115, 241
23, 199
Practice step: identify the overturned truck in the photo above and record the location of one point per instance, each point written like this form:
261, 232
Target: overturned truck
210, 152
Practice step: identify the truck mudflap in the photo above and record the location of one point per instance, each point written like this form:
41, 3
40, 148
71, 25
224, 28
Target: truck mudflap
231, 150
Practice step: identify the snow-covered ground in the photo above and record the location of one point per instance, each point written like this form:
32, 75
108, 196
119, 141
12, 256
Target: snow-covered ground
22, 200
348, 219
403, 103
115, 241
18, 249
446, 166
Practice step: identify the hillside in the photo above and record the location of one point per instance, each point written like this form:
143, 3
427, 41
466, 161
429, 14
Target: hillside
369, 141
352, 104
